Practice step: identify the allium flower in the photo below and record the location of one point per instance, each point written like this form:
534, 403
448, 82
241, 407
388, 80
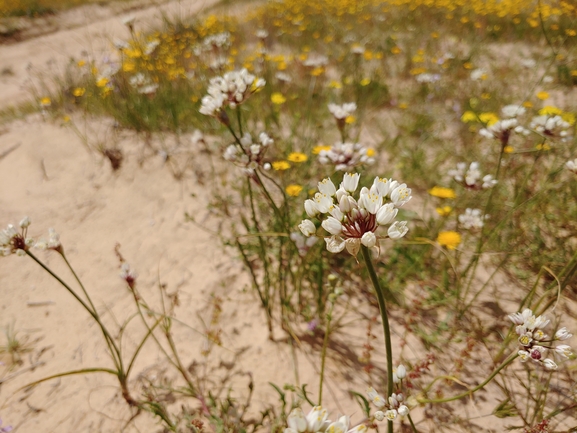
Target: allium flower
511, 111
472, 177
551, 126
399, 373
502, 130
13, 241
472, 219
534, 342
571, 165
303, 243
427, 78
353, 222
128, 275
394, 405
346, 156
53, 242
248, 155
232, 89
317, 422
341, 112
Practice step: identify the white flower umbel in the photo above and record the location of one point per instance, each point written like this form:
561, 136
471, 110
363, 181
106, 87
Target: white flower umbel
13, 241
341, 112
471, 177
571, 165
248, 154
353, 222
232, 89
394, 405
551, 127
317, 422
535, 343
512, 110
472, 219
346, 156
502, 130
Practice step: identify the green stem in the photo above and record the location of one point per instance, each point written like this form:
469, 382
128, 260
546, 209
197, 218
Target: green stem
412, 424
385, 320
114, 351
478, 387
324, 353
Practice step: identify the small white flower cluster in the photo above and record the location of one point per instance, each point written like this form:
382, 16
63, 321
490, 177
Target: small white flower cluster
213, 42
472, 177
316, 60
53, 242
535, 343
551, 126
232, 89
394, 406
425, 78
341, 112
249, 154
346, 156
478, 74
511, 111
316, 421
14, 242
502, 130
302, 243
143, 84
283, 76
571, 165
261, 34
350, 222
150, 46
472, 219
128, 275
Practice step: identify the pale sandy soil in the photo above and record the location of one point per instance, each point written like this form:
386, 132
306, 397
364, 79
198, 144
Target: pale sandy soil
46, 172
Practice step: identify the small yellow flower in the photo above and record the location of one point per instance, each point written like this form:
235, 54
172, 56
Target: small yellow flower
396, 50
442, 192
468, 65
294, 190
297, 157
277, 98
449, 239
543, 146
101, 82
403, 105
468, 116
508, 149
128, 66
444, 211
319, 148
549, 110
79, 91
350, 119
281, 165
527, 104
335, 84
317, 71
370, 152
365, 81
434, 35
46, 101
542, 95
488, 118
66, 119
570, 32
81, 63
417, 71
485, 95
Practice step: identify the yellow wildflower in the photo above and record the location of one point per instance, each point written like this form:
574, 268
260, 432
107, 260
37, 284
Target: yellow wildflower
508, 149
442, 192
549, 110
542, 95
317, 71
101, 82
46, 101
365, 81
350, 119
488, 118
370, 152
277, 98
396, 50
444, 211
449, 239
294, 190
468, 116
281, 165
79, 91
297, 157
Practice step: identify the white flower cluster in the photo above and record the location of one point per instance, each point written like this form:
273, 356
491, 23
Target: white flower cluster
316, 60
350, 222
232, 89
511, 111
316, 421
471, 177
53, 242
478, 74
346, 156
502, 130
249, 154
472, 219
551, 126
535, 343
14, 242
425, 78
394, 405
143, 84
341, 112
571, 165
213, 42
